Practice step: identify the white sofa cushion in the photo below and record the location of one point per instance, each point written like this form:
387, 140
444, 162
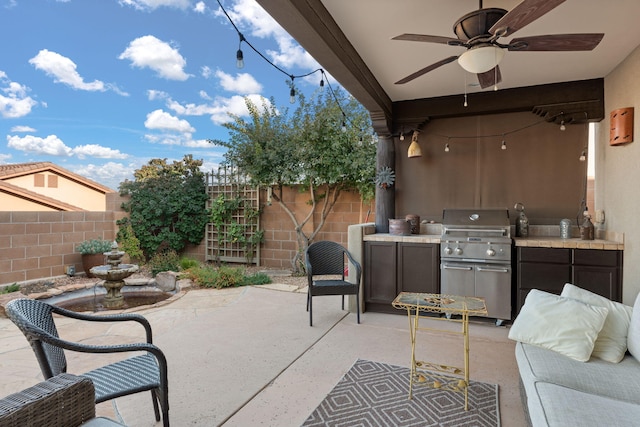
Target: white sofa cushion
633, 337
611, 344
564, 325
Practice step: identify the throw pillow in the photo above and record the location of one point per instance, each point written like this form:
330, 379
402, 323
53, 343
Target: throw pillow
633, 338
564, 325
611, 344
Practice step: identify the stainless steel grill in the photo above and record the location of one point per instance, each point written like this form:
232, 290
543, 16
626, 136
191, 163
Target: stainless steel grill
475, 254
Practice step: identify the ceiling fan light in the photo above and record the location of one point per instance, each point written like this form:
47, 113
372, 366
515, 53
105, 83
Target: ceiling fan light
481, 59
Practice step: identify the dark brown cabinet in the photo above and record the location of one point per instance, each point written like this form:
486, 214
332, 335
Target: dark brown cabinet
548, 269
393, 267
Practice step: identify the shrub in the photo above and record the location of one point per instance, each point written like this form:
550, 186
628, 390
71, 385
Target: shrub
225, 277
187, 263
94, 246
164, 261
129, 243
11, 288
256, 279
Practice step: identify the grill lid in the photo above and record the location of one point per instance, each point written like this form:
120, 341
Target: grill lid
461, 221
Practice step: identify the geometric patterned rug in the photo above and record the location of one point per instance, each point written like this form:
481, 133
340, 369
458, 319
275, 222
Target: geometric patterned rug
377, 394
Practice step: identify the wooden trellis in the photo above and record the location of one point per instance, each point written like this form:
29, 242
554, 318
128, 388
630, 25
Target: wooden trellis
231, 184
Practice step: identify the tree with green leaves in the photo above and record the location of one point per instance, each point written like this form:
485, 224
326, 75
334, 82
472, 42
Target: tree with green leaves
167, 204
326, 145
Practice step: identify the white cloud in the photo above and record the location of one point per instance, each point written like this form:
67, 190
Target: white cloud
151, 52
54, 146
14, 101
219, 109
51, 145
110, 174
153, 94
161, 120
63, 70
205, 95
206, 72
242, 83
200, 7
4, 158
17, 129
98, 151
154, 4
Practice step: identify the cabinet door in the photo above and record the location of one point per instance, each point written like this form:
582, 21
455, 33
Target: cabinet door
380, 286
418, 267
547, 269
599, 280
493, 283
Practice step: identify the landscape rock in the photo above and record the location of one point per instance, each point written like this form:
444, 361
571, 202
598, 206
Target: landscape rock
166, 281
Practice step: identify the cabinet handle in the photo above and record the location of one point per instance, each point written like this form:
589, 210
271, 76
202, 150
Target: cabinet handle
446, 267
494, 270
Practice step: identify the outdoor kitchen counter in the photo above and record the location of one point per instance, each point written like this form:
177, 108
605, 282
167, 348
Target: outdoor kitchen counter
409, 238
575, 243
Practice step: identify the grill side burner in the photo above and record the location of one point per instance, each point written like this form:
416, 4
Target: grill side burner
475, 254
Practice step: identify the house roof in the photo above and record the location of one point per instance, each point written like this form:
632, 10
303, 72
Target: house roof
21, 169
36, 198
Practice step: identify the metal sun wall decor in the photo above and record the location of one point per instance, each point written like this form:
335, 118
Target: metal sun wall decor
386, 177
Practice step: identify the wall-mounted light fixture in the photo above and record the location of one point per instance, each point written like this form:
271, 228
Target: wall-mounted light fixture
414, 147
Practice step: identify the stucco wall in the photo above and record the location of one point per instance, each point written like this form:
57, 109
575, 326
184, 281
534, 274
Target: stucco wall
8, 202
67, 191
617, 171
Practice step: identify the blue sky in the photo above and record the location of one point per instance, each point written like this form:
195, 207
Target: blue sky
100, 87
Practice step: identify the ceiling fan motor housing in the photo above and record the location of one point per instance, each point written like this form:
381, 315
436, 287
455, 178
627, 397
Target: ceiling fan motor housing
477, 23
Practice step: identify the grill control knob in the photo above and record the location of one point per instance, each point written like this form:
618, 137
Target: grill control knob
458, 250
491, 252
448, 250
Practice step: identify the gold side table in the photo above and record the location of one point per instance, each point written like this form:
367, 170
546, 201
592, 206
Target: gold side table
418, 304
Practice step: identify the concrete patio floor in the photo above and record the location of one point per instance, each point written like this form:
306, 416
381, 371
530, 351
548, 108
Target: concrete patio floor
247, 356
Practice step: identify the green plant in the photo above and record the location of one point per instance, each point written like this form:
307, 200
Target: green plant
11, 288
128, 241
188, 263
164, 261
256, 279
225, 277
167, 204
94, 246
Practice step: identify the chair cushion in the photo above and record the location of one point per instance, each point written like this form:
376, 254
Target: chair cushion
333, 287
127, 376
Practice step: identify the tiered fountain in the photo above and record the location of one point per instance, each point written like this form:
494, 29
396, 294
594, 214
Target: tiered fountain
114, 274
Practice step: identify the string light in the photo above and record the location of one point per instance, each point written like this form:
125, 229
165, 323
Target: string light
239, 54
292, 92
446, 148
504, 144
583, 156
562, 126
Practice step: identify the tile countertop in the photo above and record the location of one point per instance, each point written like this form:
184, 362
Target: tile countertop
574, 243
534, 241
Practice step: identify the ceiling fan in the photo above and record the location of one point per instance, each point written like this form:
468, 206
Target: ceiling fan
480, 30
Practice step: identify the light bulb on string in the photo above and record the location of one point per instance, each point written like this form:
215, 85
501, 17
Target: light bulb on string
239, 55
583, 156
321, 79
504, 144
402, 134
562, 126
292, 92
446, 148
344, 123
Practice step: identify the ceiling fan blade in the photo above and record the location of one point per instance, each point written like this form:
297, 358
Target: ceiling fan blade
490, 78
425, 70
427, 38
522, 15
557, 42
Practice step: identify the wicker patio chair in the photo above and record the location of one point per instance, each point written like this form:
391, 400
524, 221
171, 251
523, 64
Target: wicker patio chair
328, 258
147, 371
62, 401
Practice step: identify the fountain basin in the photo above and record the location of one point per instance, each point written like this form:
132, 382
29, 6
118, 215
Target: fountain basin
114, 274
93, 299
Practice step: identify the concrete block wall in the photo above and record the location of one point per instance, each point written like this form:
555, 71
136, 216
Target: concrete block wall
38, 245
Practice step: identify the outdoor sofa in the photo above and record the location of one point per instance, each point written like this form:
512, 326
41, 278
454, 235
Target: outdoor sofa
64, 400
578, 358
